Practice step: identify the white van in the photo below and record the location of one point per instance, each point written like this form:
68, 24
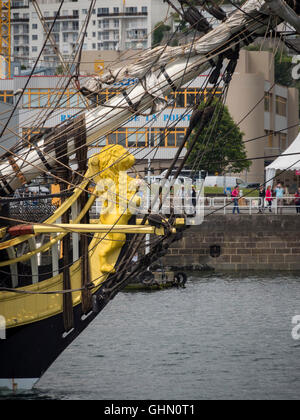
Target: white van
224, 182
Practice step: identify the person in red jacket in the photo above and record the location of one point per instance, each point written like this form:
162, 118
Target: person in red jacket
235, 198
269, 197
297, 201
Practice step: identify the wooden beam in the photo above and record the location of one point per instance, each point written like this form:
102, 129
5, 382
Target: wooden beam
283, 10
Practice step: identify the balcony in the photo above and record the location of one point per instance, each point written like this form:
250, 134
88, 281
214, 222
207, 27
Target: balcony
20, 20
20, 4
125, 14
62, 17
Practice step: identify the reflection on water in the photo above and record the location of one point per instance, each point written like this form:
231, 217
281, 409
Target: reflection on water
223, 337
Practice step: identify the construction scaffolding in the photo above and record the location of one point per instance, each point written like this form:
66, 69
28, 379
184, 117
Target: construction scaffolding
5, 40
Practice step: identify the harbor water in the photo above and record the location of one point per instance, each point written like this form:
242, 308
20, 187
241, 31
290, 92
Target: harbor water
227, 336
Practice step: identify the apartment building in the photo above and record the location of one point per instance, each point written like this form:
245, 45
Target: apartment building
114, 25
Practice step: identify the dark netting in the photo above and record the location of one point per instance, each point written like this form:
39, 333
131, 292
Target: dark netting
30, 211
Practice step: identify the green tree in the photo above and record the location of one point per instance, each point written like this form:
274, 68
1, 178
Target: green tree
220, 147
158, 33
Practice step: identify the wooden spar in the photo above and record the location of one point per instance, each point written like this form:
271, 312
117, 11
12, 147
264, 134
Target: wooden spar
61, 154
82, 159
84, 228
280, 8
86, 296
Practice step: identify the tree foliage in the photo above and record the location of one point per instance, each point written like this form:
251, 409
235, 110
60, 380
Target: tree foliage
158, 33
219, 143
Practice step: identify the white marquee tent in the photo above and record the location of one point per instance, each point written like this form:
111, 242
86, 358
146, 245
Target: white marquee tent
289, 160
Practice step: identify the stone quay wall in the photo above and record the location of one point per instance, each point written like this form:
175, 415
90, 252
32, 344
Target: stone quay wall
257, 242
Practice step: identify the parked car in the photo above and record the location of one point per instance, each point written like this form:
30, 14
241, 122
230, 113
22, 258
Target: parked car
253, 186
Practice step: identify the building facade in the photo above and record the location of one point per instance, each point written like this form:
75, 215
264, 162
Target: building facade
114, 25
268, 114
272, 111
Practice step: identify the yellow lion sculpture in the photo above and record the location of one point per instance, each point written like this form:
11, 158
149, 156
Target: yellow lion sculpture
116, 190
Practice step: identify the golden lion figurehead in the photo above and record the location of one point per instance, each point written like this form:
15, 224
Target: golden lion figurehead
110, 161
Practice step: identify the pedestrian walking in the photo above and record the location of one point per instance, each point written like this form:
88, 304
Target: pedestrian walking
235, 198
269, 197
262, 197
279, 191
297, 201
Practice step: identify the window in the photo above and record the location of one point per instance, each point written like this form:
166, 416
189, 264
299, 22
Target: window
34, 49
75, 13
7, 96
56, 27
131, 138
268, 102
283, 142
144, 9
103, 11
112, 138
48, 98
281, 106
189, 97
105, 23
179, 100
34, 37
147, 137
116, 10
131, 10
28, 133
34, 26
174, 137
106, 36
269, 139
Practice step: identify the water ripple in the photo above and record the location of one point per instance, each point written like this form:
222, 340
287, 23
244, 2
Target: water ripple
223, 337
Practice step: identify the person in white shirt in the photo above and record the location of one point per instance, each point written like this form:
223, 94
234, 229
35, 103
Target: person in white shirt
279, 197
